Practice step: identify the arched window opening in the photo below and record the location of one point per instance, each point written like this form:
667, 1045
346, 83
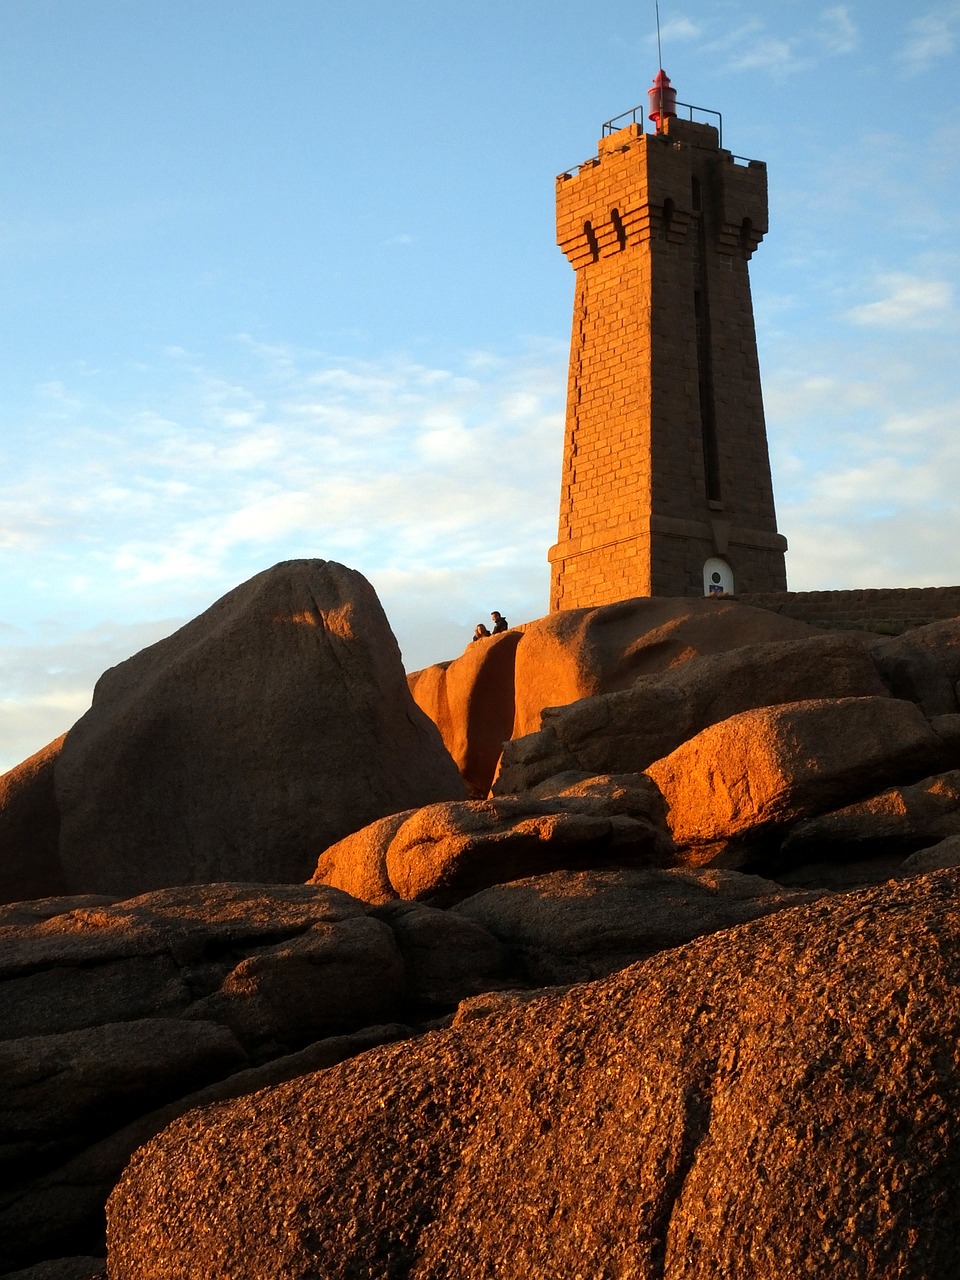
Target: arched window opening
591, 235
618, 228
746, 237
717, 577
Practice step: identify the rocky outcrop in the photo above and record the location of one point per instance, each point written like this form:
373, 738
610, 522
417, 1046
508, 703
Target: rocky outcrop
923, 665
753, 773
897, 821
61, 1084
779, 1098
269, 727
445, 852
213, 953
63, 1269
471, 701
798, 757
580, 653
357, 864
946, 853
572, 926
115, 1017
447, 957
30, 829
627, 731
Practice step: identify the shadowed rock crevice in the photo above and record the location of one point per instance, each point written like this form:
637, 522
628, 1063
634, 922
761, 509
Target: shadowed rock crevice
63, 1210
696, 1106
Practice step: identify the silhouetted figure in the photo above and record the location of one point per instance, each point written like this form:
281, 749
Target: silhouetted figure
499, 622
480, 632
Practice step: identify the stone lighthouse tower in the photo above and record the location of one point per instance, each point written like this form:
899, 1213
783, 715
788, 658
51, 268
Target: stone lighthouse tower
666, 485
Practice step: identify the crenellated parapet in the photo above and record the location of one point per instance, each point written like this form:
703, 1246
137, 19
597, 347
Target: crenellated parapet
641, 187
742, 212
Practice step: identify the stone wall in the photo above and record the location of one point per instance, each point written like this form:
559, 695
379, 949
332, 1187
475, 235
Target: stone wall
886, 610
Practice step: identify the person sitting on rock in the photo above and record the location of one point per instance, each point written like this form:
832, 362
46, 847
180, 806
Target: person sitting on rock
499, 622
480, 632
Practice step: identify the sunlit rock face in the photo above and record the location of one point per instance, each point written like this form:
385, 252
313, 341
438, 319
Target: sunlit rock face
444, 852
773, 766
498, 687
30, 828
782, 1098
470, 700
629, 729
579, 653
260, 733
357, 864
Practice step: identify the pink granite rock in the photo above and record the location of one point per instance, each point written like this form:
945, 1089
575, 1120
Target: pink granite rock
272, 725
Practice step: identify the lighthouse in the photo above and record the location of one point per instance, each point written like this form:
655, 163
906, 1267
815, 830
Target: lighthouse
666, 487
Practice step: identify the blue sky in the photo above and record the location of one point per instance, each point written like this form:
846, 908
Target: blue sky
280, 280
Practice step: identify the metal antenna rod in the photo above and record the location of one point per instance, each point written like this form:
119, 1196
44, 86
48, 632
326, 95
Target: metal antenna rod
659, 66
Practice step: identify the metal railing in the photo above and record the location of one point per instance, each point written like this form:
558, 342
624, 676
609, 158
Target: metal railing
630, 117
636, 116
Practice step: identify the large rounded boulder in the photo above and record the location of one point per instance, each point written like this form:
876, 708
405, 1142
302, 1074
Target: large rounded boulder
627, 730
470, 700
579, 653
779, 1099
445, 852
741, 780
266, 729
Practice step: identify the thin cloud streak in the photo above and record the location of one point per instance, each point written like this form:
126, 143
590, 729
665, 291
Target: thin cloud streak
929, 38
440, 484
910, 303
838, 33
407, 472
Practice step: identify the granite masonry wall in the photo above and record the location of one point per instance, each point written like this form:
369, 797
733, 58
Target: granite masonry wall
885, 610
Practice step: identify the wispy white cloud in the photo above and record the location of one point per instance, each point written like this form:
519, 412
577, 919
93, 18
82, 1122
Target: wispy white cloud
767, 53
866, 459
751, 46
677, 28
801, 395
785, 50
407, 471
930, 37
907, 302
838, 32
